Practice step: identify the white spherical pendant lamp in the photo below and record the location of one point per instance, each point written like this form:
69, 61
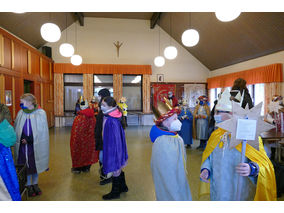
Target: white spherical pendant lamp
170, 52
76, 60
50, 32
159, 61
66, 50
190, 37
227, 16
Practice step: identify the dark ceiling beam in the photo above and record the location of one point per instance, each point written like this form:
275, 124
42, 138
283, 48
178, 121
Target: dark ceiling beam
154, 19
80, 17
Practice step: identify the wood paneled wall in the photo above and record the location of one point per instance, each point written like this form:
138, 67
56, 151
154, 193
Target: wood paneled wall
117, 87
146, 94
19, 62
88, 89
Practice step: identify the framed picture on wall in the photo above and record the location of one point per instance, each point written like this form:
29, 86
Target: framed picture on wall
8, 98
160, 78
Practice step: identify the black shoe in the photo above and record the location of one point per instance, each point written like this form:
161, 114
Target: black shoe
76, 170
188, 146
105, 181
123, 186
31, 192
115, 190
103, 177
37, 189
85, 168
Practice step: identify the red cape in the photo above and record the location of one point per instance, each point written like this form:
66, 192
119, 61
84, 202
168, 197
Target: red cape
82, 141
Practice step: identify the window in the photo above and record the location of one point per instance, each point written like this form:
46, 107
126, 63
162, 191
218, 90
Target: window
103, 81
132, 90
259, 96
214, 96
256, 92
73, 89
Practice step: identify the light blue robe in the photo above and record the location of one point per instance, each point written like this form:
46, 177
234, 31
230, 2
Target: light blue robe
168, 168
186, 128
223, 177
202, 125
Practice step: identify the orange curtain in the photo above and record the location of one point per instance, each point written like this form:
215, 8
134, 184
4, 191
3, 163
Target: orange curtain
103, 69
266, 74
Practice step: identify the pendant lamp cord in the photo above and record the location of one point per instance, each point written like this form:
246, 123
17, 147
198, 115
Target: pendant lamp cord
159, 35
66, 27
76, 35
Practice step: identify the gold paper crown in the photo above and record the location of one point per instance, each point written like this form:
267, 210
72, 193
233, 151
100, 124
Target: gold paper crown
184, 102
224, 103
163, 111
123, 99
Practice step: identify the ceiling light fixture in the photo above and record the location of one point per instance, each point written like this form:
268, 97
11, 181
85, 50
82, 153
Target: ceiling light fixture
190, 37
226, 16
159, 61
50, 32
170, 52
76, 59
66, 49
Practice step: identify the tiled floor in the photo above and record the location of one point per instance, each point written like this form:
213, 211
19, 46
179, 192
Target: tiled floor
59, 184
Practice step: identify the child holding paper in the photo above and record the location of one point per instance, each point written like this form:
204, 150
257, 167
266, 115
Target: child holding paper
221, 165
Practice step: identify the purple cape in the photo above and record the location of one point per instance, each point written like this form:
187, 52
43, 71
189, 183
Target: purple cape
114, 146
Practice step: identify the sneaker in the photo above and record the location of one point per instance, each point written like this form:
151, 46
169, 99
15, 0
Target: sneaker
31, 192
37, 189
75, 170
106, 181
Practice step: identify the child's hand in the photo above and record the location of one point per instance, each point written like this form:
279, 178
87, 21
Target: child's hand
24, 141
243, 169
204, 175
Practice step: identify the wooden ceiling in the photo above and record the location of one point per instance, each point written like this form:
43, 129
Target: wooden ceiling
221, 44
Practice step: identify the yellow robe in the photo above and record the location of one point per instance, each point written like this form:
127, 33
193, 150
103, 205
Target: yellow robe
266, 182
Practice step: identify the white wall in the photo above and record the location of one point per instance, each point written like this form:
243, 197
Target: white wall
258, 62
140, 46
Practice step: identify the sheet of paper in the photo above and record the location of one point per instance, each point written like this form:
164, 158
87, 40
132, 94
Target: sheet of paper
246, 129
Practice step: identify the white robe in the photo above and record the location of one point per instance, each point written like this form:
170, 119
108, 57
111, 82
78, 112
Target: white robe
168, 165
40, 137
4, 194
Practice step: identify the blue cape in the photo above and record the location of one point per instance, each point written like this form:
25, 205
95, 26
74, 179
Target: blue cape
8, 173
156, 132
114, 146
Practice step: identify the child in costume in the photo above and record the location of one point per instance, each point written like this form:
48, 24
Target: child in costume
114, 147
94, 105
186, 119
201, 116
221, 165
9, 185
274, 115
32, 146
172, 99
168, 160
123, 106
82, 141
104, 178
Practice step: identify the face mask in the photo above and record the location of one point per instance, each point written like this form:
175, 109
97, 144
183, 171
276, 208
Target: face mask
175, 126
100, 98
201, 103
218, 118
104, 109
23, 106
